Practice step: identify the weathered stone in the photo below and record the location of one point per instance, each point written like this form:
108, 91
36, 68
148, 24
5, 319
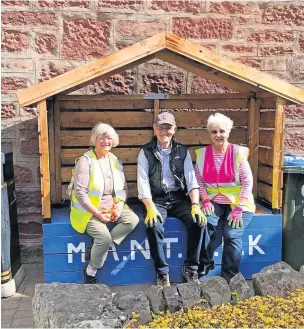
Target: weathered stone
31, 252
203, 28
14, 3
276, 50
137, 302
122, 84
139, 29
283, 14
190, 293
29, 18
294, 141
236, 48
270, 36
50, 69
203, 86
173, 301
13, 83
156, 299
14, 41
301, 41
184, 6
85, 38
23, 175
121, 4
28, 133
8, 110
277, 280
17, 65
62, 4
30, 229
45, 43
251, 61
28, 199
302, 270
7, 146
57, 305
229, 7
274, 63
171, 83
239, 288
216, 291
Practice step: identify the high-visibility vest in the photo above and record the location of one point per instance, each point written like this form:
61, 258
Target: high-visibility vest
227, 180
79, 216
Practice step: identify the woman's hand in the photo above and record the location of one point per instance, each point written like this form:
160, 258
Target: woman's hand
103, 217
116, 210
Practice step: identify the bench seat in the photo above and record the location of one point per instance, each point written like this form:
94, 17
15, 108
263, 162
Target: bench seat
131, 263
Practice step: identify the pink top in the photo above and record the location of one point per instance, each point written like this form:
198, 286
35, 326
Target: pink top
245, 178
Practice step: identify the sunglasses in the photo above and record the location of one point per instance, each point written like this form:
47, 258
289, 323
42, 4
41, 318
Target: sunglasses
221, 131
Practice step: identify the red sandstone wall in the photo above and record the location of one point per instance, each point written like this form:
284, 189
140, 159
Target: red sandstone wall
41, 39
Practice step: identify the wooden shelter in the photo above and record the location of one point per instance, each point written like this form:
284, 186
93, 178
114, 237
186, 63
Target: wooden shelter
65, 121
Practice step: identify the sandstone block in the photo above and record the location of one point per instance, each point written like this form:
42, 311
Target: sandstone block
138, 29
85, 38
216, 291
121, 4
7, 146
173, 301
230, 7
23, 175
17, 65
301, 41
13, 83
28, 198
156, 299
295, 112
172, 83
288, 14
274, 63
28, 18
15, 3
52, 68
31, 252
58, 305
129, 302
294, 141
201, 85
8, 110
237, 48
183, 6
30, 230
255, 62
62, 4
277, 280
270, 36
203, 28
46, 44
190, 293
276, 50
239, 286
14, 41
28, 137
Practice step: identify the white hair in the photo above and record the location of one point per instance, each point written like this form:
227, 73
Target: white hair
103, 129
219, 119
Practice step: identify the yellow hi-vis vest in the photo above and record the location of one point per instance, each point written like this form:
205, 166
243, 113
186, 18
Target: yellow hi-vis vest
79, 216
230, 190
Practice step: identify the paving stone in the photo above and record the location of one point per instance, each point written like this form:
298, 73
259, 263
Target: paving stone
7, 318
23, 314
23, 323
25, 303
9, 304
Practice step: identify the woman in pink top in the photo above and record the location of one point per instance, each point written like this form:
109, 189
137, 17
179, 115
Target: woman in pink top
225, 181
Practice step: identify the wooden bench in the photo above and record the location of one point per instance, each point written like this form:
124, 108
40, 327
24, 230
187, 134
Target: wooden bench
131, 263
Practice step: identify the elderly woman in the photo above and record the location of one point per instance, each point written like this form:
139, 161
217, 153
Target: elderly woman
225, 180
99, 196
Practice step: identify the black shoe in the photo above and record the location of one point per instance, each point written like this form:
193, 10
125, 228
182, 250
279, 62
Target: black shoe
88, 279
163, 280
87, 254
190, 276
207, 267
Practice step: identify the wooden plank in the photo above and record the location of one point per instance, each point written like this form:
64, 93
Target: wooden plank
52, 149
57, 153
205, 104
278, 153
106, 97
267, 119
265, 192
235, 69
266, 156
94, 70
130, 173
267, 103
266, 137
265, 174
44, 159
132, 190
253, 139
144, 119
135, 137
198, 69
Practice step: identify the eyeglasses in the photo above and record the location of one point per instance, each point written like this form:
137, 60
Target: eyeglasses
221, 131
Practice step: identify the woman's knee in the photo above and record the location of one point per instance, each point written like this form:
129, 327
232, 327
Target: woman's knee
103, 238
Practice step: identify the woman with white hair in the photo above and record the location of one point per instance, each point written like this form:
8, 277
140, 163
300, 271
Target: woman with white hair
99, 197
225, 180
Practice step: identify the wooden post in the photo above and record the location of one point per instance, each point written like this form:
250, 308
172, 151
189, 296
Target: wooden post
57, 152
51, 149
253, 139
156, 109
44, 159
278, 149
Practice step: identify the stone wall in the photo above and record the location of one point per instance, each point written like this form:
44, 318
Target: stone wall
42, 39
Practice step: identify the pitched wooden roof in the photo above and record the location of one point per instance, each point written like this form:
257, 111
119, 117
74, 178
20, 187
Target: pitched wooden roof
175, 50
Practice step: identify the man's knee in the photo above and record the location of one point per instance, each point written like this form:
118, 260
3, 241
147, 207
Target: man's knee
103, 238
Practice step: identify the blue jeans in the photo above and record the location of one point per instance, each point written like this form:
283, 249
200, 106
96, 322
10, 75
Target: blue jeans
232, 243
182, 210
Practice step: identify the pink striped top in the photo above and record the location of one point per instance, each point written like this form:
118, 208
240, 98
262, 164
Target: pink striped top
245, 178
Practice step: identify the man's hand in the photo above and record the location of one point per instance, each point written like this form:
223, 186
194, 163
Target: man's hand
207, 207
104, 217
152, 216
198, 216
235, 217
116, 211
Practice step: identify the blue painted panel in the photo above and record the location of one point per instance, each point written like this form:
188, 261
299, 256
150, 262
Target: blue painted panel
125, 259
144, 275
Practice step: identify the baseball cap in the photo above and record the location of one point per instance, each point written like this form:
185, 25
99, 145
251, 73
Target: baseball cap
165, 117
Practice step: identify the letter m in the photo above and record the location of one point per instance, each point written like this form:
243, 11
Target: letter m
72, 249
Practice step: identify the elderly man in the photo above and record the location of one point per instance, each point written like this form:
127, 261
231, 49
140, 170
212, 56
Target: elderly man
168, 187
